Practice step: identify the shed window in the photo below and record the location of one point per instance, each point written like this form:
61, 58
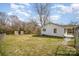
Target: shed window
44, 29
55, 30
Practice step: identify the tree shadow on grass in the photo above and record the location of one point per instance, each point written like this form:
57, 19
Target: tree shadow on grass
46, 36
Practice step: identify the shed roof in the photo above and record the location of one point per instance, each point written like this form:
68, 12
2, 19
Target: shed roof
68, 25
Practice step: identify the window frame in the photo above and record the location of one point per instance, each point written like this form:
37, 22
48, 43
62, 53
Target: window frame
55, 30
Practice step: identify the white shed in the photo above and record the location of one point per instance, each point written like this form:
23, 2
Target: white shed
53, 30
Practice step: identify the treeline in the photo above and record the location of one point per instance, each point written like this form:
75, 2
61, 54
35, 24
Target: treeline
11, 23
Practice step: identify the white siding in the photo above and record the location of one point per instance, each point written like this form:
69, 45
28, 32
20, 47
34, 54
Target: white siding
50, 30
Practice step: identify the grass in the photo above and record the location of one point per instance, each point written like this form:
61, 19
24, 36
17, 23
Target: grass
71, 43
31, 45
76, 45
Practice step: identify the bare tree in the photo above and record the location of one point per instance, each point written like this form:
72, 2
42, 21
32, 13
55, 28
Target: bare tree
43, 11
3, 21
15, 22
31, 27
3, 17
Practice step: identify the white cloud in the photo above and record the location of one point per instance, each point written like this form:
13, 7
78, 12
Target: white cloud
21, 6
16, 6
10, 13
75, 6
58, 5
13, 6
64, 9
20, 11
29, 11
55, 17
67, 10
24, 13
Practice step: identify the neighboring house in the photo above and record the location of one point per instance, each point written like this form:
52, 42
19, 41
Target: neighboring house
58, 30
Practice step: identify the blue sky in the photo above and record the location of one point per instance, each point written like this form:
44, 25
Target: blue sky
4, 7
60, 13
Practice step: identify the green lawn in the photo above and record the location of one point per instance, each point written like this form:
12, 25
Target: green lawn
30, 45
